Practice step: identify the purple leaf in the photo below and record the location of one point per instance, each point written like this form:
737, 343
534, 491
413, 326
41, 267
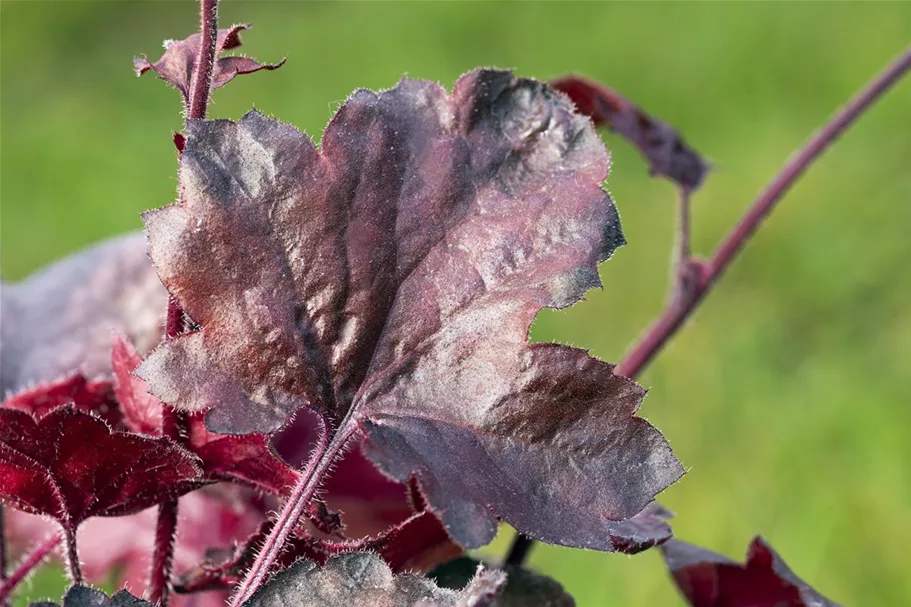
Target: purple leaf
179, 60
69, 465
59, 320
662, 146
708, 579
393, 276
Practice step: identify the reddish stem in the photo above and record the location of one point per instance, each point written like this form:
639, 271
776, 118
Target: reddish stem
320, 463
201, 84
174, 424
673, 317
26, 566
681, 308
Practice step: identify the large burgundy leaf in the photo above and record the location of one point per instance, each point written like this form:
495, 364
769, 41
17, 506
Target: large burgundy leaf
393, 275
179, 60
69, 465
59, 320
708, 579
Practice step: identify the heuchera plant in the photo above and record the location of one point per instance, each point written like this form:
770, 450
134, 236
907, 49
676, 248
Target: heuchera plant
345, 342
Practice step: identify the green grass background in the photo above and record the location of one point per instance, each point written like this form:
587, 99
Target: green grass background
787, 396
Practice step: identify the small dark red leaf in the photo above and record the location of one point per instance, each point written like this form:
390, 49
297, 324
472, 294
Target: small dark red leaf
69, 465
141, 410
89, 396
248, 459
393, 275
662, 146
708, 579
179, 60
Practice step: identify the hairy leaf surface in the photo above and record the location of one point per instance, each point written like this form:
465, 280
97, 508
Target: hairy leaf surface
249, 459
708, 579
69, 465
363, 578
391, 277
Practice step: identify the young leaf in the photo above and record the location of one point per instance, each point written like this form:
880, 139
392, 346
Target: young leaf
179, 60
69, 465
524, 588
662, 146
59, 320
362, 578
88, 396
141, 410
83, 596
392, 277
708, 579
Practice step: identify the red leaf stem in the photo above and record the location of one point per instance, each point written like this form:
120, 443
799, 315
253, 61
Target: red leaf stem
326, 454
673, 317
174, 424
25, 567
680, 309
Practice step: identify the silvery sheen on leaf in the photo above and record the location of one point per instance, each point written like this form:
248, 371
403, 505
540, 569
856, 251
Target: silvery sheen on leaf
362, 578
389, 279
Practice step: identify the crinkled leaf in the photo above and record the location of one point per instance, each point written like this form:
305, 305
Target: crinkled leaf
360, 578
89, 396
394, 274
59, 320
662, 146
84, 596
524, 588
179, 60
69, 465
708, 579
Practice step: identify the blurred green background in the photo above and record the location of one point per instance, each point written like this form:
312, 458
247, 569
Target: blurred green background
787, 396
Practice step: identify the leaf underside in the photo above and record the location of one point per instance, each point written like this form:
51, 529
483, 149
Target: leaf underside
391, 277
